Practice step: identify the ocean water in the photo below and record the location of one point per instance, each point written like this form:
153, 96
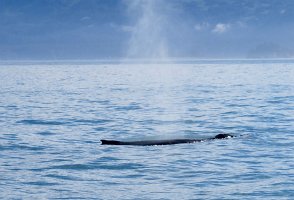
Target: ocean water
52, 117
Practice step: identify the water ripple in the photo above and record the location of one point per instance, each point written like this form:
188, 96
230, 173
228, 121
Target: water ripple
52, 118
40, 122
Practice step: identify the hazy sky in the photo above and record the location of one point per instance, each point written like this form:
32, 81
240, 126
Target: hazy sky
97, 29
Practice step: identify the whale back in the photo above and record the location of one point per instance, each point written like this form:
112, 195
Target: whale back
163, 142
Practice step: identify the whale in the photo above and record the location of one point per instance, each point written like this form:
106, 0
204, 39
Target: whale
164, 142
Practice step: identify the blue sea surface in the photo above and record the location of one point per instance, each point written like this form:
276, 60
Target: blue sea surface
52, 117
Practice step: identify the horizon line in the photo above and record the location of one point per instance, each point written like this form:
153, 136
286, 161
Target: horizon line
171, 60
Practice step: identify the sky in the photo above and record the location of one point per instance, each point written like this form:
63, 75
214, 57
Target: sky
115, 29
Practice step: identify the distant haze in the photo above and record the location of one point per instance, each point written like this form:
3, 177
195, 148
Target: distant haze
151, 29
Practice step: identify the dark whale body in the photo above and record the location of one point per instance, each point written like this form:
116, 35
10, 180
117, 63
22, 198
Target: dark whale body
163, 142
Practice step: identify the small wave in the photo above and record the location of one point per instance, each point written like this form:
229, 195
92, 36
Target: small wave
96, 166
22, 147
61, 177
229, 113
40, 122
40, 183
11, 107
74, 167
45, 133
189, 121
132, 106
100, 129
238, 105
89, 121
